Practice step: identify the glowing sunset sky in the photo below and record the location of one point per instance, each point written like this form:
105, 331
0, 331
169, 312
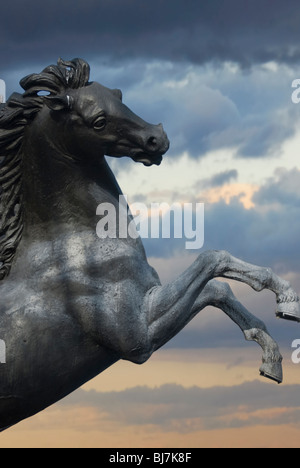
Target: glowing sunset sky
218, 75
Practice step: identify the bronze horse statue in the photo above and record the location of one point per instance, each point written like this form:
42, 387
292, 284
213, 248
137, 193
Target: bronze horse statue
72, 304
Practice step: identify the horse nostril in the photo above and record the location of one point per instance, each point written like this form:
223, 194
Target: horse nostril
152, 142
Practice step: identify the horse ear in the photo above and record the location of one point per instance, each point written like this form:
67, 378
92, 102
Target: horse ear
59, 103
118, 93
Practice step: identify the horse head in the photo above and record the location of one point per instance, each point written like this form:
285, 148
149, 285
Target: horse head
92, 119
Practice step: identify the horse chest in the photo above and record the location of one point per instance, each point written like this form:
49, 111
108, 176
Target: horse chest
76, 265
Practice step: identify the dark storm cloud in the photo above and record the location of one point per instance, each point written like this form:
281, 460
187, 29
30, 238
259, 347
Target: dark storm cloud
196, 31
119, 38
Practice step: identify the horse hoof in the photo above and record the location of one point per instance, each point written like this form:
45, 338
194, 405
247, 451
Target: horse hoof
289, 310
272, 370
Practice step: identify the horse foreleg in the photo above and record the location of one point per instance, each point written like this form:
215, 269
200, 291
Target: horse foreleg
165, 310
219, 295
214, 264
254, 329
151, 319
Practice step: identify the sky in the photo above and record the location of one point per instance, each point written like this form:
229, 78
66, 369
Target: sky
219, 75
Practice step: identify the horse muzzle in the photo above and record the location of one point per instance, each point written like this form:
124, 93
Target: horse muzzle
154, 145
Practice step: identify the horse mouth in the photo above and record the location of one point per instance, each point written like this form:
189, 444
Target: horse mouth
148, 160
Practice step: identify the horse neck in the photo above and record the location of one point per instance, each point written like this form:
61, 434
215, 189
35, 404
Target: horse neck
60, 191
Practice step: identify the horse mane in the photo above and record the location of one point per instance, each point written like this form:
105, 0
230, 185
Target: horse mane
15, 115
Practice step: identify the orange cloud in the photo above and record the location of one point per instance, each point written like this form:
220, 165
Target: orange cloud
236, 416
244, 192
53, 430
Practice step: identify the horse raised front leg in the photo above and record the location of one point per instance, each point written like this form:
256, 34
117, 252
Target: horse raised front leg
167, 309
220, 295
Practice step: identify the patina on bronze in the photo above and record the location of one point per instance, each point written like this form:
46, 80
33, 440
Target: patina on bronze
73, 304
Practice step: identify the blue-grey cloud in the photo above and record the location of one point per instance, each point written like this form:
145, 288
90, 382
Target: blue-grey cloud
207, 108
268, 234
222, 178
282, 190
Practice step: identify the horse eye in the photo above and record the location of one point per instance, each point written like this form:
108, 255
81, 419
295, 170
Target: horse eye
99, 123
